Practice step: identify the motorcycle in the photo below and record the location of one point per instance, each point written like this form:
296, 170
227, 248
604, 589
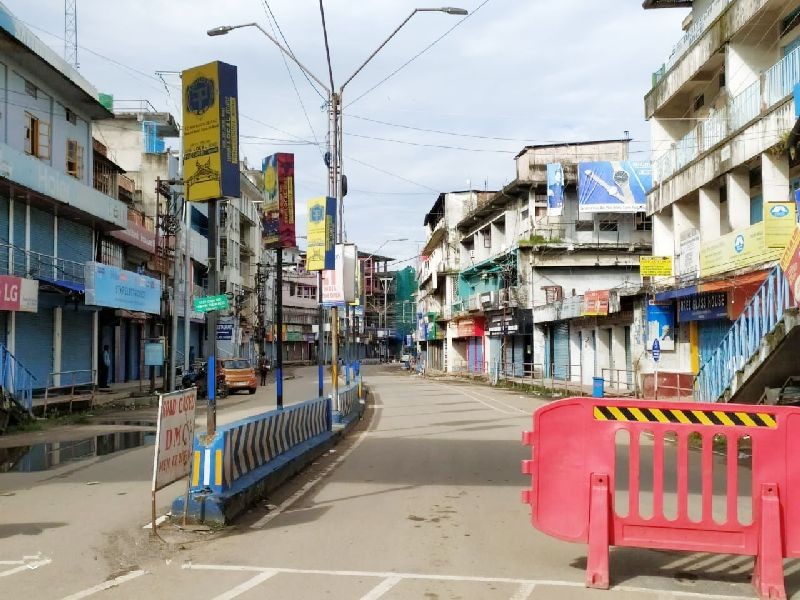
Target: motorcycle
198, 377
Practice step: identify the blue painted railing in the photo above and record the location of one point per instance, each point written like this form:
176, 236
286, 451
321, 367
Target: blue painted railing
349, 397
761, 315
16, 380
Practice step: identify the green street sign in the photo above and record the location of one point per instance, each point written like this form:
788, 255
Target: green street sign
210, 303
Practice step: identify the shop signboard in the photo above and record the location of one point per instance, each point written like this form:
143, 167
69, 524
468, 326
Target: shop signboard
655, 266
472, 327
703, 307
116, 288
595, 303
780, 219
19, 294
738, 249
790, 263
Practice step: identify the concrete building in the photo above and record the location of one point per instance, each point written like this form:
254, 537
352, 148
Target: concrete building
726, 170
59, 202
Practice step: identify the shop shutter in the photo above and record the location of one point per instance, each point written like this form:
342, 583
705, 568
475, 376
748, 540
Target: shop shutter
41, 244
508, 355
628, 357
20, 210
75, 241
34, 343
4, 237
3, 328
711, 334
560, 367
76, 345
495, 347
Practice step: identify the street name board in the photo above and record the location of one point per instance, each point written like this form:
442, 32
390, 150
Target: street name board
210, 303
175, 437
655, 266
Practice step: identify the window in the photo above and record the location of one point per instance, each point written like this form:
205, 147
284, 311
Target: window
71, 117
608, 224
643, 222
584, 226
487, 238
74, 159
31, 89
112, 254
31, 135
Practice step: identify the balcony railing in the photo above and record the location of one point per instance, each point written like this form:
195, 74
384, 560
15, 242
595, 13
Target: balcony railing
697, 28
758, 98
26, 263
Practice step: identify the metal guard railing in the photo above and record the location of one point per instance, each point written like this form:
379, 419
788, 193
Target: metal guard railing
761, 315
16, 380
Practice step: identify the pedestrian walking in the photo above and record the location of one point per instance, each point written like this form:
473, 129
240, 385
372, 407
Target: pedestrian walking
106, 370
264, 369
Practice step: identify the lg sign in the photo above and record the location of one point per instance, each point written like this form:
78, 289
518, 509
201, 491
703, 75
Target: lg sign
18, 294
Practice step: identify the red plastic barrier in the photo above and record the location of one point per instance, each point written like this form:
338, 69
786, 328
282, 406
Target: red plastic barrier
573, 470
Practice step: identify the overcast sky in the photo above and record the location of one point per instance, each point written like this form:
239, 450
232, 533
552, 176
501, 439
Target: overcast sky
529, 71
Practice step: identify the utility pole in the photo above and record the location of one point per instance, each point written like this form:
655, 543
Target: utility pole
213, 290
187, 278
279, 326
173, 305
385, 281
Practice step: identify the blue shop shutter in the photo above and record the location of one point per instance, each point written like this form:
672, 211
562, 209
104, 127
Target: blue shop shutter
34, 343
561, 350
4, 235
76, 344
75, 241
19, 239
41, 261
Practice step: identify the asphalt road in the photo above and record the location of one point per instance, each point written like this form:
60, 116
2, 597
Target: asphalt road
422, 503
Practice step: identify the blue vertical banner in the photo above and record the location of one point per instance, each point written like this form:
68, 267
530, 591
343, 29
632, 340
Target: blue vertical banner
613, 186
555, 189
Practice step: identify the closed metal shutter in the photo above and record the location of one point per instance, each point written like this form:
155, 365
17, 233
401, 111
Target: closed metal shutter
76, 345
508, 355
560, 350
495, 347
75, 241
41, 243
4, 235
628, 357
3, 328
19, 239
34, 343
475, 354
134, 349
711, 334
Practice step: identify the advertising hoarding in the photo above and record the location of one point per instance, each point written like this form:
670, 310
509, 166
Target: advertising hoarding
595, 303
321, 251
116, 288
555, 189
19, 294
660, 325
278, 222
780, 219
738, 249
613, 186
210, 132
689, 262
655, 266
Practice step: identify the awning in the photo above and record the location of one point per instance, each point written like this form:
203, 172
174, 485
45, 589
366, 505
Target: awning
68, 286
756, 278
675, 294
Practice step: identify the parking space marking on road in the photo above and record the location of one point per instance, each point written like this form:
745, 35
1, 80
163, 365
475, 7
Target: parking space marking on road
106, 585
524, 584
524, 592
247, 585
307, 486
159, 521
24, 565
382, 588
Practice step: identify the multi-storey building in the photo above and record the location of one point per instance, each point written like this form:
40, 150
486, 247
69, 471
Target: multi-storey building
725, 164
59, 203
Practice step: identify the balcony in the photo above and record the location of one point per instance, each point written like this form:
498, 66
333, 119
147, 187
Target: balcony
25, 263
43, 179
721, 22
760, 99
141, 231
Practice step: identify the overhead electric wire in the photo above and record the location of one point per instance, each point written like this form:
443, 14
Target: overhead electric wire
418, 54
395, 175
327, 46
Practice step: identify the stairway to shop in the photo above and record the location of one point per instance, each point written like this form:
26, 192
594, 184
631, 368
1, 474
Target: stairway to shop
16, 390
759, 351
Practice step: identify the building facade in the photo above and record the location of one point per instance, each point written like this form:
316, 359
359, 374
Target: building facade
726, 169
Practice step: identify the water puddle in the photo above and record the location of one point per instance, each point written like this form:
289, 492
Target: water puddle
41, 457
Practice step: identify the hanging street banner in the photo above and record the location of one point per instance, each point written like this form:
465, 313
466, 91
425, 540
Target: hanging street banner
790, 263
321, 251
175, 437
210, 132
555, 189
616, 186
655, 266
279, 215
338, 285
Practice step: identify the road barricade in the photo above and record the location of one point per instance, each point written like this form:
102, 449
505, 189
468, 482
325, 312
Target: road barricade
587, 452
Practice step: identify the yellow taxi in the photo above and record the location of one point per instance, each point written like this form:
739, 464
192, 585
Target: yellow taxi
239, 375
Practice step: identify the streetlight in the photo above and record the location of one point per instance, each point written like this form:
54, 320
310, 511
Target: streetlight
334, 163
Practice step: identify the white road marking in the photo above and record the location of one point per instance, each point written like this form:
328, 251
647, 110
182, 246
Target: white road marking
12, 562
524, 591
488, 405
307, 486
159, 521
26, 566
100, 587
511, 406
247, 585
379, 590
460, 578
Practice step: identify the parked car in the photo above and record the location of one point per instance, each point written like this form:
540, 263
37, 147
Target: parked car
239, 375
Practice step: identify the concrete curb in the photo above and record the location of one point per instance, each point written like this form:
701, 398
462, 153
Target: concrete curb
222, 509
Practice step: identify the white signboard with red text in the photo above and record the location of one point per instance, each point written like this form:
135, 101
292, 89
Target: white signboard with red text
175, 437
19, 294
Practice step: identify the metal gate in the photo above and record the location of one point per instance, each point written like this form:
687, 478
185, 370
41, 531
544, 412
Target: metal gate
560, 366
